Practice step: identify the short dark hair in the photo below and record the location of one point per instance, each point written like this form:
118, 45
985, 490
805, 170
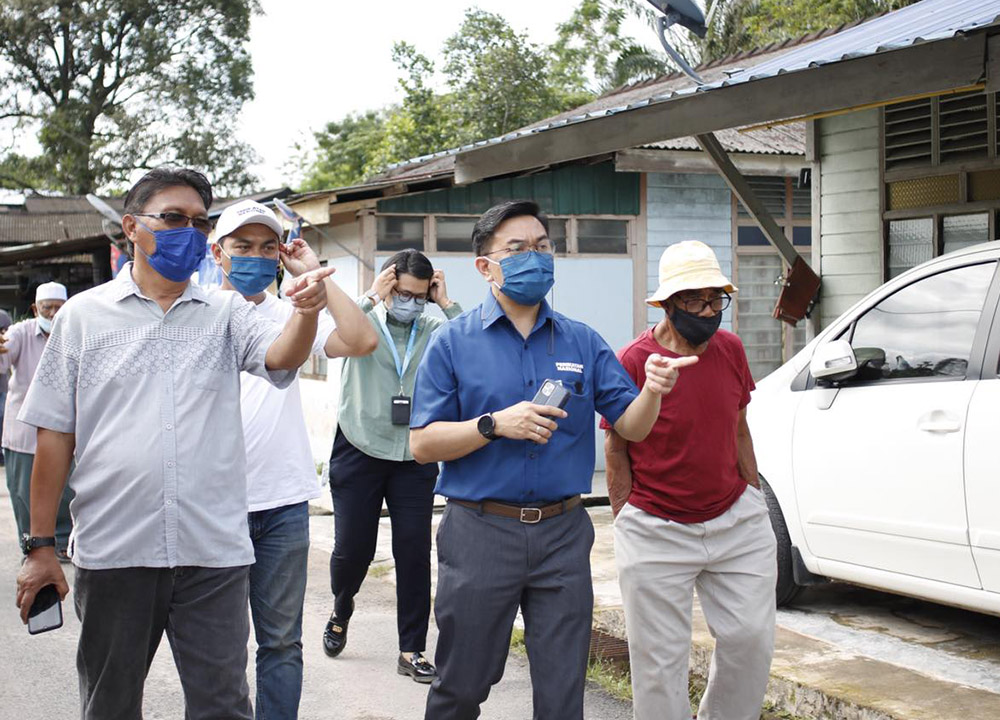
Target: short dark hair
164, 177
487, 225
410, 262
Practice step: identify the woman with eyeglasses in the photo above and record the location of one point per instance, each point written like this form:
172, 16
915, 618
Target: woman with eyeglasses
371, 460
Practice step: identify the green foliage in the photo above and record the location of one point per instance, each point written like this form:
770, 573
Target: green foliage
740, 25
111, 86
344, 149
592, 54
498, 78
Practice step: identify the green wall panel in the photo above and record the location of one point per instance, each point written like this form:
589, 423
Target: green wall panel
572, 190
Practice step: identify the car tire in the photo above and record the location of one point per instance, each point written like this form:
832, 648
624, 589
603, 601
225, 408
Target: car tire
786, 589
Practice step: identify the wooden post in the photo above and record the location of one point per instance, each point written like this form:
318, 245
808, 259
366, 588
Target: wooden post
741, 188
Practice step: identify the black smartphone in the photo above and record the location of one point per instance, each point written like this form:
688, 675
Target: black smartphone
552, 392
46, 612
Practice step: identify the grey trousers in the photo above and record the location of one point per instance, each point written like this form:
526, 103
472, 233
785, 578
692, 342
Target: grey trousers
19, 465
731, 561
124, 613
488, 566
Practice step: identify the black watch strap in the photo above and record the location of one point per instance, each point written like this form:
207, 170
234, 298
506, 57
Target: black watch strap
487, 427
31, 542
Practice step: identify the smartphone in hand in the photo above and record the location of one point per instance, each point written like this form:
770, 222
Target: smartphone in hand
46, 611
552, 392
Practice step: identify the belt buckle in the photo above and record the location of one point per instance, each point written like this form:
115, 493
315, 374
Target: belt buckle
529, 520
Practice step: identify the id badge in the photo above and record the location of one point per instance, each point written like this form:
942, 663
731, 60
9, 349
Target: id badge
400, 412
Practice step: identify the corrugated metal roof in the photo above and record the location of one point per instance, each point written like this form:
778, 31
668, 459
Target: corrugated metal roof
922, 22
779, 140
24, 228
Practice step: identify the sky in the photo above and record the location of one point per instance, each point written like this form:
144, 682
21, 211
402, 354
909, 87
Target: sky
316, 61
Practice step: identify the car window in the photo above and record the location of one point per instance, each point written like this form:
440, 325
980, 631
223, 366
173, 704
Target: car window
925, 329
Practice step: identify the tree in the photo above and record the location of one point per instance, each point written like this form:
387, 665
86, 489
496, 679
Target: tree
499, 80
592, 55
741, 25
344, 151
111, 86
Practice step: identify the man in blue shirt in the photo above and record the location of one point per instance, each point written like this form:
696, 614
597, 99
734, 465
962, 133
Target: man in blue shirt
514, 533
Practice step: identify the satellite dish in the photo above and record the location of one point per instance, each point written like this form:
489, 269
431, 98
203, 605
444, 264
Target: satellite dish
687, 14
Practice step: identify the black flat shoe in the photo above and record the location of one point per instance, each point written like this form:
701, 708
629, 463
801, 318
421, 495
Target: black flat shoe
335, 636
419, 669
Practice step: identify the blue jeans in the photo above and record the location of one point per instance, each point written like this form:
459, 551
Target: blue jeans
277, 591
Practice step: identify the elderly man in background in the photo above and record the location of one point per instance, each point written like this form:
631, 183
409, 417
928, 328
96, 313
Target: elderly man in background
689, 511
20, 349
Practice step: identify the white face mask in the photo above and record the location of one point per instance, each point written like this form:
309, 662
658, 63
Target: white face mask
45, 324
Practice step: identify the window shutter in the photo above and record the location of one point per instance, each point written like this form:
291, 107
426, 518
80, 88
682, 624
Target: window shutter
909, 134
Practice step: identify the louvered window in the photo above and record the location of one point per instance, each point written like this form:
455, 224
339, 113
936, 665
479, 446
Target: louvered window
964, 127
941, 130
909, 134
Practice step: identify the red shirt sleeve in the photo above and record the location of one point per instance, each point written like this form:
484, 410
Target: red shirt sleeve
746, 377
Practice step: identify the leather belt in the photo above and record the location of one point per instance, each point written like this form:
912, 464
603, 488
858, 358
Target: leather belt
527, 515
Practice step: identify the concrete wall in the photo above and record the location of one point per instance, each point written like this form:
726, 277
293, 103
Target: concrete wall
687, 207
850, 227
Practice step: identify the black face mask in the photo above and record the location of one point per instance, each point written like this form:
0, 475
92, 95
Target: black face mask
694, 328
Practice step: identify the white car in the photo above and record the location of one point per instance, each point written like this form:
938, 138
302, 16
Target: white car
879, 443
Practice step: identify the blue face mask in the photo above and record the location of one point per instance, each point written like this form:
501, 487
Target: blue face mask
250, 275
178, 252
404, 311
45, 324
527, 276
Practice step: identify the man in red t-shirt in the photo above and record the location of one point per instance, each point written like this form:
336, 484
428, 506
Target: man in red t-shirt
689, 511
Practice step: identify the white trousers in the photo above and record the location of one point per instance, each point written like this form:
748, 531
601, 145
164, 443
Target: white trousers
731, 561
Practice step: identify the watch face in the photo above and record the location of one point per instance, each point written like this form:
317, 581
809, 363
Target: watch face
486, 426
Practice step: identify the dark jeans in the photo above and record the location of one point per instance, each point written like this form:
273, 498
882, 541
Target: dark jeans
359, 483
488, 566
277, 591
124, 613
18, 469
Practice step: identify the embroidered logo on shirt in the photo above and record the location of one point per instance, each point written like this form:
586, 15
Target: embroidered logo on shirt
569, 367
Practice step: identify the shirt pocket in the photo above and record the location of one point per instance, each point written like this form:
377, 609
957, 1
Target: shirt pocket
580, 406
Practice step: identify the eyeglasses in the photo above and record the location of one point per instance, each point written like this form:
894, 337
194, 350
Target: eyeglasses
174, 220
543, 247
406, 297
697, 305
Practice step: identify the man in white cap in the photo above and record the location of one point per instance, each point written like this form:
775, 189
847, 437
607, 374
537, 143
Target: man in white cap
20, 349
689, 511
281, 471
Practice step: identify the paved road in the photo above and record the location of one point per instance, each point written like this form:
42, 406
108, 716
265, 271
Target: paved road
39, 676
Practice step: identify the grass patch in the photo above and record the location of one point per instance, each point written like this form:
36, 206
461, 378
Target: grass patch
517, 641
380, 570
613, 678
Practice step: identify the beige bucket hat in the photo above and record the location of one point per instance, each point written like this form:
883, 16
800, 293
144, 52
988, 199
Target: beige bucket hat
688, 265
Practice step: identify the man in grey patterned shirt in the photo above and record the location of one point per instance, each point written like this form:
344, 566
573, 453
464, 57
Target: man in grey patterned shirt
140, 378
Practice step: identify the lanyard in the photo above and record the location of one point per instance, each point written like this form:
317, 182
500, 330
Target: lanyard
400, 366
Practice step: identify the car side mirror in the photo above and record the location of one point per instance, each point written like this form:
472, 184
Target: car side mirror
834, 361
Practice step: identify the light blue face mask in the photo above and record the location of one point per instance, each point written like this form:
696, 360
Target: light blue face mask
404, 311
45, 324
250, 275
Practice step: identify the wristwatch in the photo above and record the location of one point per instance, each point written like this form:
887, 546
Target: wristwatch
30, 542
487, 427
373, 296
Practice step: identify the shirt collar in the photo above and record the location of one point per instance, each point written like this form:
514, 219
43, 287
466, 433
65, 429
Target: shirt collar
38, 328
126, 286
492, 311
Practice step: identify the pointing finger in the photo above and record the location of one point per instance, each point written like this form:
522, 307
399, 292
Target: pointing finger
682, 361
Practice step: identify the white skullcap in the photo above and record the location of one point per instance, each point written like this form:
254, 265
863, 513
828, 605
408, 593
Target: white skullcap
50, 291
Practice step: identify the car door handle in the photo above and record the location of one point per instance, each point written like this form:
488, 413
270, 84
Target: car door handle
938, 421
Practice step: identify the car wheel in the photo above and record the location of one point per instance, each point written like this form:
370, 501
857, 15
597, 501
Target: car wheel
786, 589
